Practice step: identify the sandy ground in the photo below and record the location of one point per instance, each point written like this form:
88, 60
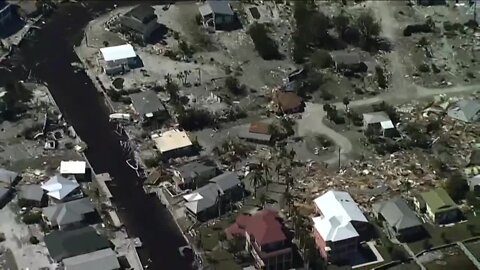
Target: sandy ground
17, 236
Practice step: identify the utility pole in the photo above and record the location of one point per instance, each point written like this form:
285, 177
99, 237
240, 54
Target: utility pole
339, 158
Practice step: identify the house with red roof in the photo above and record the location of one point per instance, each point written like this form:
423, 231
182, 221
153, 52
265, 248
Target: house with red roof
265, 239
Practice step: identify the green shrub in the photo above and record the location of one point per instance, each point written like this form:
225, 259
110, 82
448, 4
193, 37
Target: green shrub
34, 240
32, 218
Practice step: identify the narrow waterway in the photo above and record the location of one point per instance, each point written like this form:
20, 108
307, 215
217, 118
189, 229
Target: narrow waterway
47, 56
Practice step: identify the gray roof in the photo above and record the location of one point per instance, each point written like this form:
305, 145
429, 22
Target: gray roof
4, 192
146, 102
7, 177
192, 169
142, 12
217, 7
246, 134
104, 259
345, 58
70, 243
397, 214
375, 117
226, 181
465, 110
31, 193
69, 212
205, 197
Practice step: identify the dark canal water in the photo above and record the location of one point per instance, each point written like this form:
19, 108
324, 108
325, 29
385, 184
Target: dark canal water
47, 56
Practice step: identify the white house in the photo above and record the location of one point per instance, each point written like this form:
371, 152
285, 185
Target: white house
118, 59
339, 226
173, 143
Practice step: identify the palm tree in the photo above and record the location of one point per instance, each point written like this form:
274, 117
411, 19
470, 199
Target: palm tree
288, 179
180, 77
266, 172
168, 78
255, 180
288, 201
278, 168
263, 199
346, 101
327, 107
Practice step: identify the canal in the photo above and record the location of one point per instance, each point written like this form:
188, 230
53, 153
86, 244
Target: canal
47, 56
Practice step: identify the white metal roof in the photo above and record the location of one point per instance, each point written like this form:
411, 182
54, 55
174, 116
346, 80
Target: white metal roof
73, 167
118, 52
338, 210
386, 124
171, 140
59, 187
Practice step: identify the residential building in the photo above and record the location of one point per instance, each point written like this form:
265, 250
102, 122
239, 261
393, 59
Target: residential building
339, 227
379, 122
258, 132
348, 61
217, 15
6, 13
265, 239
401, 221
68, 214
465, 110
474, 184
118, 59
8, 180
148, 106
432, 2
173, 143
77, 168
62, 189
141, 20
194, 174
287, 102
104, 259
207, 201
31, 195
438, 206
71, 243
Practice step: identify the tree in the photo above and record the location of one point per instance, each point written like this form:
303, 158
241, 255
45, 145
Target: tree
236, 245
256, 179
341, 23
327, 107
367, 24
278, 169
15, 98
321, 59
263, 199
34, 240
265, 45
287, 196
346, 102
195, 119
232, 84
456, 186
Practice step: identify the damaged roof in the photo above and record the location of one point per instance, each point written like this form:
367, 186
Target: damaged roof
397, 214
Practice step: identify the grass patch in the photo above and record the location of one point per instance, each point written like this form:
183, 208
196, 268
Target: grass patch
224, 260
444, 235
456, 261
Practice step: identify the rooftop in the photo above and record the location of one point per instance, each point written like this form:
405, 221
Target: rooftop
438, 200
60, 187
337, 209
376, 117
345, 58
104, 259
260, 128
7, 177
73, 167
226, 181
216, 7
66, 244
31, 193
265, 227
287, 101
143, 13
171, 140
146, 102
190, 170
397, 214
70, 212
118, 52
465, 110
